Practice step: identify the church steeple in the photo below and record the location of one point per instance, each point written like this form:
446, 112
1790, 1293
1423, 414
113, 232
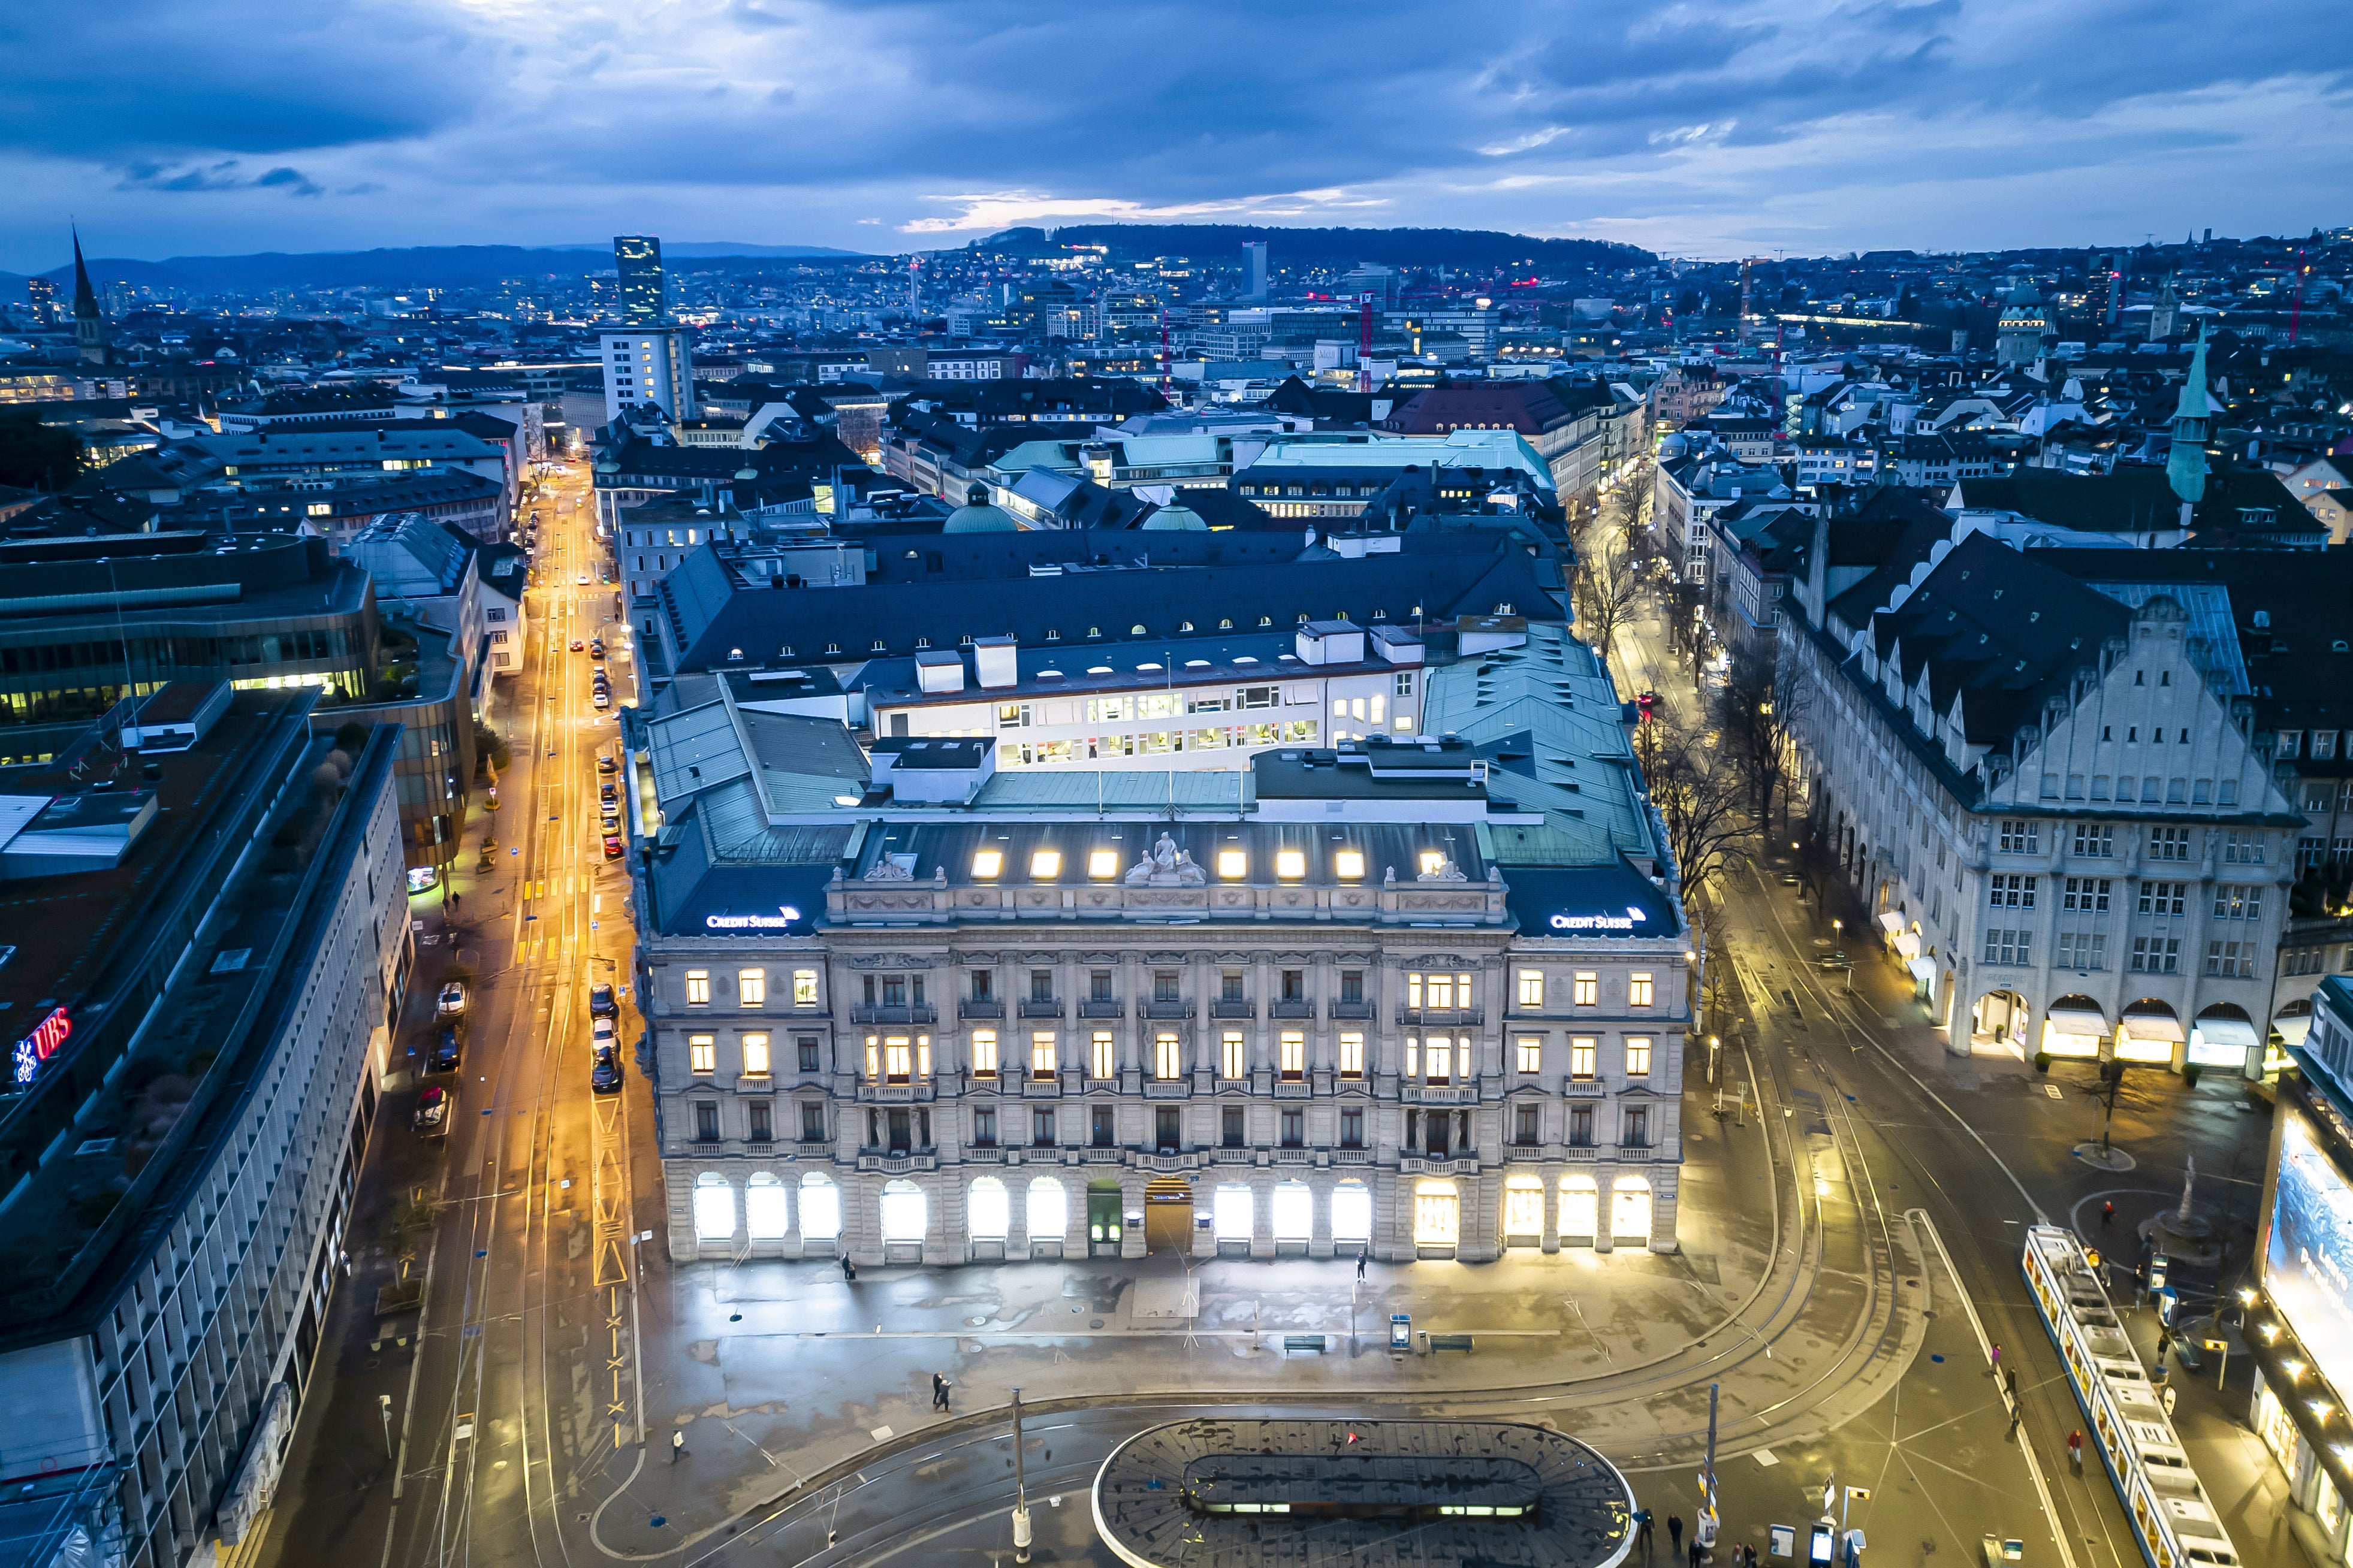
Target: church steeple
89, 323
2185, 466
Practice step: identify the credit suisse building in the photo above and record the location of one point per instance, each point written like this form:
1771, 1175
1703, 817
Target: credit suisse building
1389, 997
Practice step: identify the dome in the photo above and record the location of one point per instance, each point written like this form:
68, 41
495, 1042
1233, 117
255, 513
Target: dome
976, 516
1674, 446
1175, 516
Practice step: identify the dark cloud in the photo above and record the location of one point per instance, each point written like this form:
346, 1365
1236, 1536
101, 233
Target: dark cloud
224, 175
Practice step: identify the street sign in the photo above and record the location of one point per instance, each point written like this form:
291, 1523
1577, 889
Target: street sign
1782, 1540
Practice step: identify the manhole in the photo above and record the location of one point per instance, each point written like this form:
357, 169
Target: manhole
734, 1317
975, 1322
1094, 1322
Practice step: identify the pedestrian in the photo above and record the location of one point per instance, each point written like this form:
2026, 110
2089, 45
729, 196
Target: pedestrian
2108, 1212
1360, 1263
677, 1446
2164, 1342
1997, 1360
848, 1272
939, 1392
1643, 1532
1698, 1553
2075, 1448
1675, 1532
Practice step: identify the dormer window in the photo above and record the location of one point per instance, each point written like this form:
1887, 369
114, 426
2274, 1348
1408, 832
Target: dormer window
2291, 742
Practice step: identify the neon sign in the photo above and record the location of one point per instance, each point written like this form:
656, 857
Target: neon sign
784, 916
1626, 921
42, 1044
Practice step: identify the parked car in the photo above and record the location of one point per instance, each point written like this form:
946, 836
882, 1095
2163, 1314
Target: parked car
601, 1003
596, 648
612, 846
453, 1000
446, 1051
604, 1033
434, 1107
603, 698
609, 794
605, 1077
606, 764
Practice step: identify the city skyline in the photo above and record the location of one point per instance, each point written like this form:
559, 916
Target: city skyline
1709, 131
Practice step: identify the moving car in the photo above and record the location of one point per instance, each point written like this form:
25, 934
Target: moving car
596, 648
1792, 880
445, 1052
581, 580
601, 1003
606, 764
434, 1108
575, 645
612, 846
605, 1077
453, 1000
1838, 959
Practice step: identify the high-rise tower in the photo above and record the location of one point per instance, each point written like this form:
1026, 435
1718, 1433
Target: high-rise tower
90, 322
637, 257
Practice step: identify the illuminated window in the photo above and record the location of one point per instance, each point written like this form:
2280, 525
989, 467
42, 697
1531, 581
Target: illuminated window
1290, 865
1232, 864
1437, 1058
1292, 1056
898, 1059
1588, 988
1102, 863
983, 1053
1352, 1056
1531, 1053
1348, 865
752, 987
1098, 1056
1637, 1058
1232, 1056
1532, 988
1432, 861
1045, 864
1580, 1057
987, 864
698, 988
1638, 990
756, 1056
1167, 1059
1041, 1054
703, 1053
804, 987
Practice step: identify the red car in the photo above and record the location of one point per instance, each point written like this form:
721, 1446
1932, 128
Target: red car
612, 846
577, 644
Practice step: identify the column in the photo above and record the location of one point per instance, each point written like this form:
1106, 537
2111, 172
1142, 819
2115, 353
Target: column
1605, 1177
1664, 1180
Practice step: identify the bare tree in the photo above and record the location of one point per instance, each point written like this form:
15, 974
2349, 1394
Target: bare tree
1763, 702
1605, 596
1699, 796
1635, 488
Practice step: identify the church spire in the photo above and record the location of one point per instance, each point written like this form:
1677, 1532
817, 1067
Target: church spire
2185, 466
89, 323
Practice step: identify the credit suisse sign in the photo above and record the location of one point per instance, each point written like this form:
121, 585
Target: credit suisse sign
1626, 921
782, 920
42, 1044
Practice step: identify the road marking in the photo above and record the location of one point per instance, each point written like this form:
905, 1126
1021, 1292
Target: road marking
2053, 1091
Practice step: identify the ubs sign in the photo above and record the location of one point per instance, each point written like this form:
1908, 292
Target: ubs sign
42, 1044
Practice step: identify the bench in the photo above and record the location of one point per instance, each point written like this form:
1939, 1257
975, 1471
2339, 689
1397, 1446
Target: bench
1450, 1342
1315, 1342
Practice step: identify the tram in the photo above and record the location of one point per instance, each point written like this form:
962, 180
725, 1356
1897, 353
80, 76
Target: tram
2174, 1520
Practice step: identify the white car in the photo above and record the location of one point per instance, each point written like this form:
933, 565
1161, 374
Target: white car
602, 699
600, 1032
581, 580
453, 1000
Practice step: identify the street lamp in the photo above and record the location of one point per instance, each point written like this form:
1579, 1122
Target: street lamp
1021, 1493
384, 1408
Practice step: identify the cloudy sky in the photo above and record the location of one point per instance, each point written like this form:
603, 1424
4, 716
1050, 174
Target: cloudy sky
1711, 128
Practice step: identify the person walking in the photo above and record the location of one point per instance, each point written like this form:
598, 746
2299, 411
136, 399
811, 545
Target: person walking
2108, 1212
1643, 1532
1675, 1533
939, 1392
677, 1446
1997, 1361
2075, 1448
1698, 1552
848, 1272
1360, 1263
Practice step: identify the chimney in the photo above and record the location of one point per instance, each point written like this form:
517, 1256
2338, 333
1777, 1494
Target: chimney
994, 659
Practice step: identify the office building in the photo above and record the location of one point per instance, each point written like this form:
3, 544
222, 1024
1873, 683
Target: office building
644, 297
648, 366
207, 944
1254, 260
1414, 998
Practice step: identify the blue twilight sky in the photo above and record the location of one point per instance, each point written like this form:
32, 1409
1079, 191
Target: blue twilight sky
1704, 128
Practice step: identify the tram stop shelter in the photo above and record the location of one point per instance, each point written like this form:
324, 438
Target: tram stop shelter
1237, 1493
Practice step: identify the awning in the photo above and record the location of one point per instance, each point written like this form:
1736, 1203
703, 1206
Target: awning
1907, 943
2151, 1026
1893, 919
1924, 970
2078, 1021
2236, 1032
2293, 1027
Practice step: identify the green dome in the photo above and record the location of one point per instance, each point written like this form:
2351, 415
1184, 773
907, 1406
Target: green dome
976, 516
1177, 517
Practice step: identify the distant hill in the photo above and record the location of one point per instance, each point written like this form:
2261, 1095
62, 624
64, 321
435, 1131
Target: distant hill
1473, 249
418, 267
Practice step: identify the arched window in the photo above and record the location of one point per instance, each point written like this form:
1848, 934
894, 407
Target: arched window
1437, 1214
714, 1208
1049, 1210
1630, 1209
1293, 1211
767, 1212
1136, 630
990, 1214
820, 1207
1523, 1205
905, 1213
1231, 1213
1352, 1213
